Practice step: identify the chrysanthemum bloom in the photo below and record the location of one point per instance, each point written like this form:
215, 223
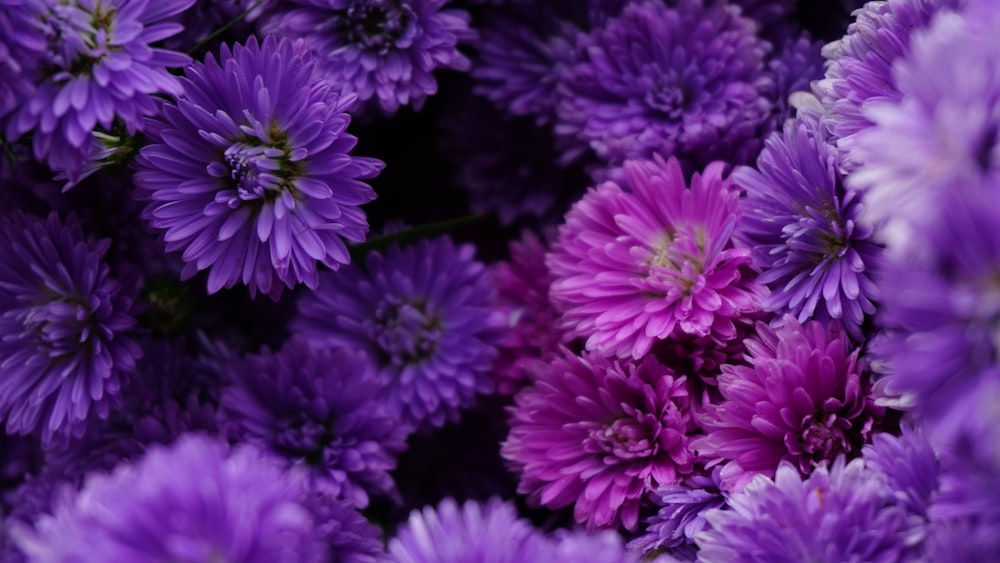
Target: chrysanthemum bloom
186, 503
533, 335
66, 327
793, 68
910, 470
802, 399
600, 434
98, 67
840, 513
21, 46
451, 533
423, 313
260, 188
941, 310
860, 68
384, 50
680, 516
941, 133
349, 537
316, 409
160, 400
633, 267
684, 81
802, 225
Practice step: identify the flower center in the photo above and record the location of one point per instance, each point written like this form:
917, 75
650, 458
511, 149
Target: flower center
256, 170
822, 441
625, 438
405, 331
302, 436
377, 25
79, 38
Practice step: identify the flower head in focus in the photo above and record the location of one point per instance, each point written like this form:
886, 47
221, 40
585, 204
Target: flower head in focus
98, 67
422, 312
684, 81
802, 225
803, 399
601, 435
681, 515
249, 174
316, 409
634, 267
66, 327
202, 486
382, 50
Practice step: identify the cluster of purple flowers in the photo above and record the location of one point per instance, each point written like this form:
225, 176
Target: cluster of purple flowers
434, 281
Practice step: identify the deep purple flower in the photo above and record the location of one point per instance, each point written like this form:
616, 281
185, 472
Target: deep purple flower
802, 225
98, 68
451, 533
802, 399
942, 131
843, 513
259, 188
909, 465
634, 267
604, 546
681, 515
796, 64
860, 67
601, 435
533, 336
22, 45
316, 409
203, 488
384, 50
349, 537
684, 81
66, 327
422, 312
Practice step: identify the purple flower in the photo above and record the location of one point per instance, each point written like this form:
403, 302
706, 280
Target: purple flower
793, 68
801, 223
348, 535
22, 45
860, 67
801, 400
66, 327
423, 313
378, 49
316, 409
599, 547
942, 131
843, 513
634, 267
909, 465
203, 488
684, 81
601, 435
471, 532
681, 515
533, 336
98, 68
260, 188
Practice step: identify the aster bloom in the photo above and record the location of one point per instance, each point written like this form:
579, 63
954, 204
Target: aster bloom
523, 294
840, 513
802, 225
942, 132
686, 81
97, 68
802, 399
451, 533
860, 64
66, 324
797, 62
384, 50
634, 267
348, 535
316, 409
681, 515
423, 312
911, 472
203, 487
601, 435
256, 188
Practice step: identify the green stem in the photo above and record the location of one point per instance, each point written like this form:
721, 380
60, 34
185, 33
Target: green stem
225, 28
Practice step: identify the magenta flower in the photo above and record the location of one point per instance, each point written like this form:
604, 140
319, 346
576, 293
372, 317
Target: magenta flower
600, 434
634, 267
802, 399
